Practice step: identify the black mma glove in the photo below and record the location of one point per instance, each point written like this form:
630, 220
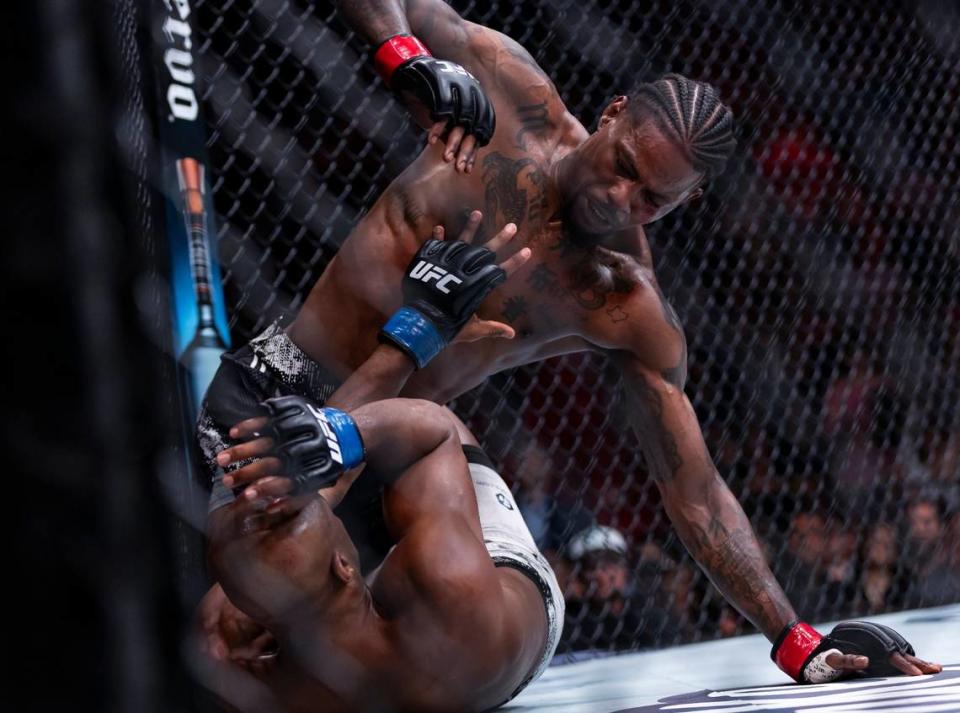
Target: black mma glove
449, 91
314, 444
442, 288
801, 652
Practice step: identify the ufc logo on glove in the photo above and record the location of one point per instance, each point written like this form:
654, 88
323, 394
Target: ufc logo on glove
445, 66
332, 443
425, 272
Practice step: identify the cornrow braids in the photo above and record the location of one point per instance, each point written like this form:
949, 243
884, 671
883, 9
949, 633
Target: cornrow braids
692, 115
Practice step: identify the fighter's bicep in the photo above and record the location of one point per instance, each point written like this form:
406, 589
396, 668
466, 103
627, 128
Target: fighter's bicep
667, 429
436, 486
383, 241
500, 63
449, 563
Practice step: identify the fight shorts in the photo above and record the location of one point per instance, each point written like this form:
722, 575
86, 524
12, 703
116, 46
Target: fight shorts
510, 544
268, 365
272, 365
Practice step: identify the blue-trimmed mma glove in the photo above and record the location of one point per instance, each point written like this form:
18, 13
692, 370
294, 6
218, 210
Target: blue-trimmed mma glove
316, 445
801, 651
444, 284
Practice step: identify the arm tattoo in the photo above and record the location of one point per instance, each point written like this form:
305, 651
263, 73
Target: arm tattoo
658, 444
727, 550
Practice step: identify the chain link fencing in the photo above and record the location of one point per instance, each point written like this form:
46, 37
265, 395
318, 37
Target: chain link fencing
818, 281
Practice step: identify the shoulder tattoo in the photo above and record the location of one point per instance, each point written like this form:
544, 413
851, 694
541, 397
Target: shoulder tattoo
535, 120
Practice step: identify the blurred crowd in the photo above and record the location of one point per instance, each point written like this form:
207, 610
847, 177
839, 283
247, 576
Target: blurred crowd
627, 592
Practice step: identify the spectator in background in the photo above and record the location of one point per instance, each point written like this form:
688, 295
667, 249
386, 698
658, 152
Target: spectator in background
608, 610
953, 543
762, 487
880, 588
839, 573
729, 622
933, 464
849, 398
550, 521
868, 471
683, 599
800, 568
932, 580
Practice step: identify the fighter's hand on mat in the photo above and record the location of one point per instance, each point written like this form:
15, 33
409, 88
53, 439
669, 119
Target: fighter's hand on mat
444, 285
509, 260
853, 648
903, 663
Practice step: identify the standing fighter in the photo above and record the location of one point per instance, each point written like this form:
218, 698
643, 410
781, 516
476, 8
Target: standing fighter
463, 612
579, 202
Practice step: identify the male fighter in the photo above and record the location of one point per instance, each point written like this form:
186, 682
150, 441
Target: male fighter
463, 611
579, 202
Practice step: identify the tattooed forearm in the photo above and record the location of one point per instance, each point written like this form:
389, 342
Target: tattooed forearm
375, 20
658, 444
719, 536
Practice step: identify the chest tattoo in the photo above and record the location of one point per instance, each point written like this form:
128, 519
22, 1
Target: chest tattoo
514, 308
514, 189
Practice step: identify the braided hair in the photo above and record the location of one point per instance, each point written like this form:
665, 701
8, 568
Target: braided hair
692, 115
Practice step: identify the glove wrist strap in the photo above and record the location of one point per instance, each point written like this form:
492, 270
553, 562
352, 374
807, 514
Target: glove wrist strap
414, 334
343, 436
395, 51
793, 648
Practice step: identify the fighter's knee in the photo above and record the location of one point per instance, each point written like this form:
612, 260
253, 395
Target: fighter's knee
465, 434
437, 417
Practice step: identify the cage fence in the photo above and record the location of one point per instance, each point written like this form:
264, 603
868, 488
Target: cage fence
818, 282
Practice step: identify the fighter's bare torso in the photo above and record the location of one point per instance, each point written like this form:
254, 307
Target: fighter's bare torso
564, 299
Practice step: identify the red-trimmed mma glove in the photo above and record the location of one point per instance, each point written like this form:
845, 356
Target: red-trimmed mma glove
449, 91
801, 651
